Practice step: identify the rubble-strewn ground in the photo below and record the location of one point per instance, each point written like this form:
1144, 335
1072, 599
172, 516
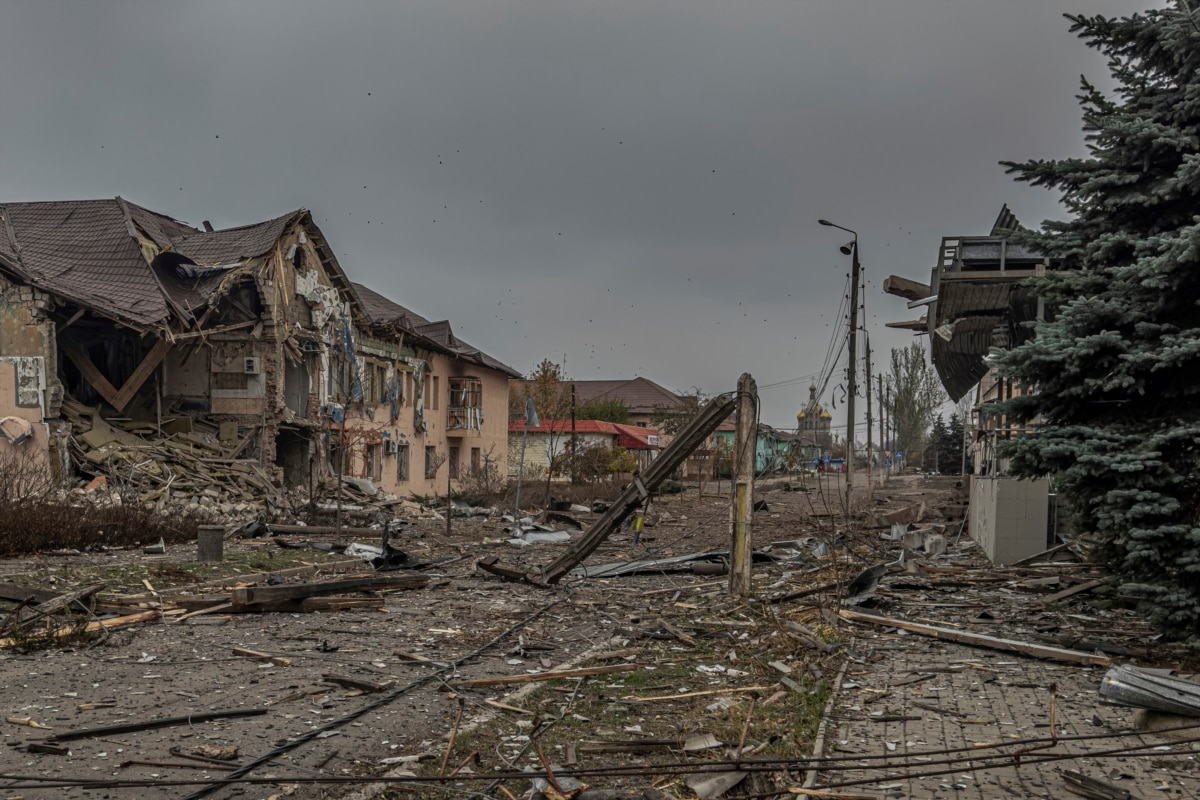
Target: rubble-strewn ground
680, 661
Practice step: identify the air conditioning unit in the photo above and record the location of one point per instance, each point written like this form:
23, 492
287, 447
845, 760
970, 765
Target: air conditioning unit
251, 366
391, 447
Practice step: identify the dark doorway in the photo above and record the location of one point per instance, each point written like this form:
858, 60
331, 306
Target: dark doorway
292, 453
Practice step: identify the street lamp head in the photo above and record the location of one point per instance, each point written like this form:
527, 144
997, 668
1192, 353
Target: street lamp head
826, 223
847, 248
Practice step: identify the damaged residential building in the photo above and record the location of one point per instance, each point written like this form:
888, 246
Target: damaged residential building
977, 299
248, 346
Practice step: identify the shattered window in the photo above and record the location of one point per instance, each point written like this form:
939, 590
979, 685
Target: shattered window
475, 458
402, 463
431, 462
454, 452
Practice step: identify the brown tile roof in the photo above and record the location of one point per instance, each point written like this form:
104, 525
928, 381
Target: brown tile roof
235, 244
640, 395
87, 251
381, 309
163, 230
83, 250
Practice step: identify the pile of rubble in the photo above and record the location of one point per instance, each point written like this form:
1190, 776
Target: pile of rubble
192, 466
180, 461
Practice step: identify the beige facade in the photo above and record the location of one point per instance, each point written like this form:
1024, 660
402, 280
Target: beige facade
252, 341
449, 424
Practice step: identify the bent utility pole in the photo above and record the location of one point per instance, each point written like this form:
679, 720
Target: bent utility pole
634, 495
745, 447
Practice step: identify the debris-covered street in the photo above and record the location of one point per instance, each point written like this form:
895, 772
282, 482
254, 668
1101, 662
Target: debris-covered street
656, 680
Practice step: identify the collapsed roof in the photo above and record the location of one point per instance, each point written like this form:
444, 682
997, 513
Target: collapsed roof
145, 269
976, 300
132, 264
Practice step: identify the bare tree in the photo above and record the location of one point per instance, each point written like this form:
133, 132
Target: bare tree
917, 395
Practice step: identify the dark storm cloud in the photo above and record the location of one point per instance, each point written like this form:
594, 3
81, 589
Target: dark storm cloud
633, 185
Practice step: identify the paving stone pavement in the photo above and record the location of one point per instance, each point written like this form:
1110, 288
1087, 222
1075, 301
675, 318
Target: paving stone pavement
921, 695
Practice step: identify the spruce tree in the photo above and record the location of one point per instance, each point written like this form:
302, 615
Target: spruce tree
1115, 370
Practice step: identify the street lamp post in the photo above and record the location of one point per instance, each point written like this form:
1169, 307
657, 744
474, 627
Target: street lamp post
850, 249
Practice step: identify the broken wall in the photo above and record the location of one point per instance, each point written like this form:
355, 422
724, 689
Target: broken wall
25, 461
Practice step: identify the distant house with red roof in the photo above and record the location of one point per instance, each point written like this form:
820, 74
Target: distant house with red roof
552, 438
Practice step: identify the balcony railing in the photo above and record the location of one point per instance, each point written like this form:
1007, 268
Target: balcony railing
460, 418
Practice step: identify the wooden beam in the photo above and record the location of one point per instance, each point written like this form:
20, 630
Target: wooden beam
99, 625
87, 369
742, 510
980, 640
919, 325
117, 398
151, 361
266, 594
908, 289
502, 680
219, 329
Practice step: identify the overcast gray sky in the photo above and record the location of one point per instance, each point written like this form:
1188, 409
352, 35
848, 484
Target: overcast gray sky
630, 184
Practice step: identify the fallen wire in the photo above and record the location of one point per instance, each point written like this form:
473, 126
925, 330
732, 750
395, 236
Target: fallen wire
1015, 760
40, 782
383, 700
840, 763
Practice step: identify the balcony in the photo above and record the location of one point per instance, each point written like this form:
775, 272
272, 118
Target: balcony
465, 410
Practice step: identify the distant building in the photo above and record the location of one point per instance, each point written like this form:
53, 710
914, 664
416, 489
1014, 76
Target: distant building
540, 446
812, 427
643, 397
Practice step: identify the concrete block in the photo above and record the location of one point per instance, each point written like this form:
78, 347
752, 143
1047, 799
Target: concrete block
935, 545
210, 543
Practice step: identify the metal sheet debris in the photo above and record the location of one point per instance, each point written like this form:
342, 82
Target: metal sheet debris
1127, 685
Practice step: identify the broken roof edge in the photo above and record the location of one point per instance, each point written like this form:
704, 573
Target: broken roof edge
333, 267
383, 311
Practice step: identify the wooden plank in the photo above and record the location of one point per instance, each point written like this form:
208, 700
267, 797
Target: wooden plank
117, 398
704, 693
506, 707
266, 658
233, 326
266, 594
55, 604
359, 685
138, 377
919, 325
71, 349
979, 640
908, 289
1079, 588
502, 680
104, 624
323, 530
353, 565
20, 594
